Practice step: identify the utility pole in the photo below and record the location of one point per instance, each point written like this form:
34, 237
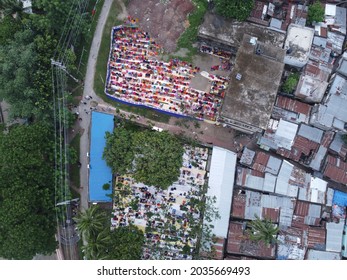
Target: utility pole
63, 67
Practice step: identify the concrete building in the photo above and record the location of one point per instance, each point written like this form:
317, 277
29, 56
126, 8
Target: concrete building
228, 34
253, 86
297, 45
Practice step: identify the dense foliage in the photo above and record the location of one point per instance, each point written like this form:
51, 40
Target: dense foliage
290, 83
315, 13
26, 193
123, 243
235, 9
28, 42
153, 157
263, 230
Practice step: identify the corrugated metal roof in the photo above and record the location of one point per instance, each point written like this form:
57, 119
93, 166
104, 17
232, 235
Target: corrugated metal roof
293, 105
318, 158
254, 182
342, 69
269, 183
271, 214
273, 165
286, 216
338, 145
319, 41
316, 238
221, 183
314, 210
312, 133
247, 156
235, 237
336, 174
301, 208
238, 205
334, 236
261, 161
239, 243
282, 184
285, 134
322, 255
330, 195
253, 205
291, 244
315, 191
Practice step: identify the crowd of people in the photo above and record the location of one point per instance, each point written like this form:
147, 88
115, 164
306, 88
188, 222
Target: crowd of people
137, 76
165, 216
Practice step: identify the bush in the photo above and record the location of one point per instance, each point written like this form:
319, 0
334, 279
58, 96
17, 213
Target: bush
315, 13
290, 84
235, 9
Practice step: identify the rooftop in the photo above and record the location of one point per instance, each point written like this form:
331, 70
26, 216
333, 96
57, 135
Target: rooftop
230, 33
298, 44
239, 243
253, 84
335, 169
332, 113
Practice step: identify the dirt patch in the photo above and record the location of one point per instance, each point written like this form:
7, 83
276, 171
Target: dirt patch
164, 20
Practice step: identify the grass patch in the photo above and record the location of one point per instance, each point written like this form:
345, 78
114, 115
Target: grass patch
101, 71
74, 169
190, 35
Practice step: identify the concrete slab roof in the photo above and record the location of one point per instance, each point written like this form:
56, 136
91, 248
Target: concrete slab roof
250, 99
230, 33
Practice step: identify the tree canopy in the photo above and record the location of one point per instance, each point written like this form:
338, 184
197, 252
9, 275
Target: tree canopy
263, 230
291, 82
315, 13
154, 158
26, 192
122, 243
235, 9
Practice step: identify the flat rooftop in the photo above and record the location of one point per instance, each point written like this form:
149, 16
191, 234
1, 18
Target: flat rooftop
298, 44
250, 98
230, 33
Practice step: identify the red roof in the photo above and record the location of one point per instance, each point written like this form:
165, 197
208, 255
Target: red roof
293, 105
238, 205
272, 214
336, 174
301, 208
239, 243
327, 138
261, 161
315, 236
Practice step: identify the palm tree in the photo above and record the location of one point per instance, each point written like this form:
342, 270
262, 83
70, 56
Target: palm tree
90, 222
263, 230
97, 247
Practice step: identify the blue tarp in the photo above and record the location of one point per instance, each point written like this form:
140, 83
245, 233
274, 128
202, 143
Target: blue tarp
340, 198
99, 172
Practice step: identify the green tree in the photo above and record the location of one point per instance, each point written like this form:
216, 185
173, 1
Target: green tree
315, 13
27, 210
291, 82
154, 158
8, 27
158, 158
263, 230
10, 7
97, 246
118, 152
91, 222
126, 243
235, 9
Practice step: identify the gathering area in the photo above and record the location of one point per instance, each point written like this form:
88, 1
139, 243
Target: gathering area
138, 77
